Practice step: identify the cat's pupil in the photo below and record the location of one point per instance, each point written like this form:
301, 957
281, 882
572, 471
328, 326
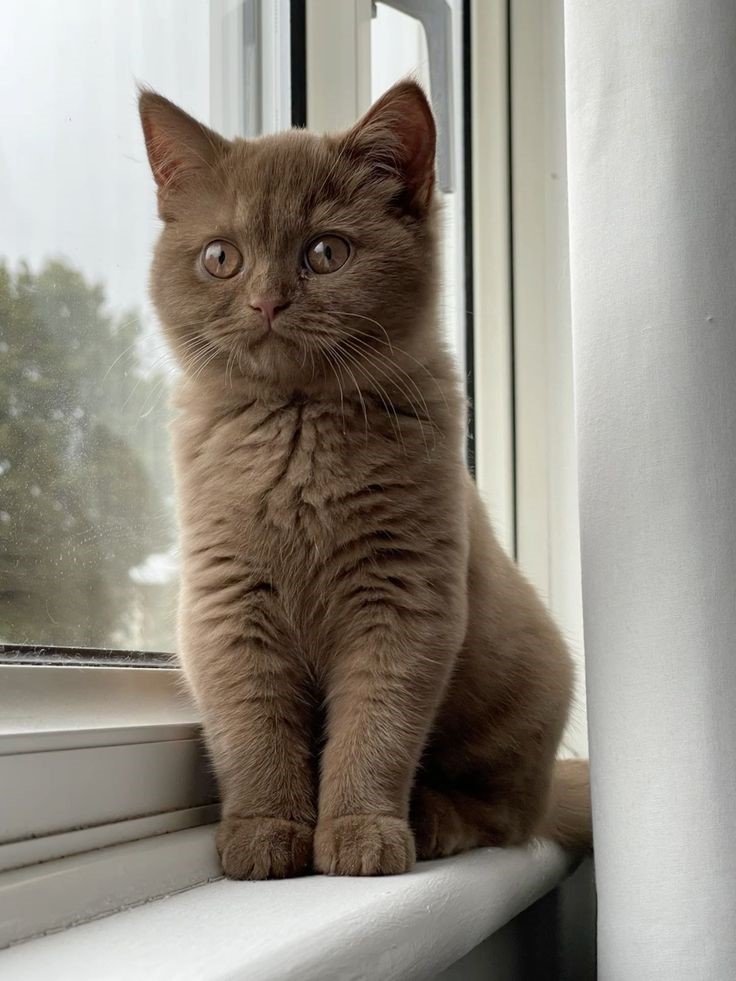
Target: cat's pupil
221, 256
327, 254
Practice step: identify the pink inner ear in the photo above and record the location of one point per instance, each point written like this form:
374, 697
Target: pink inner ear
418, 142
177, 145
399, 128
163, 165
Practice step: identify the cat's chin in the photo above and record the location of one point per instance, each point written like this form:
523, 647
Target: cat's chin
256, 375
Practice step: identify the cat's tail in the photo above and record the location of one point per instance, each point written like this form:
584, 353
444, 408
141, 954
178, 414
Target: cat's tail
568, 819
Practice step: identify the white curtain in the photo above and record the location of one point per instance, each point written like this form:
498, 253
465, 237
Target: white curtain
651, 121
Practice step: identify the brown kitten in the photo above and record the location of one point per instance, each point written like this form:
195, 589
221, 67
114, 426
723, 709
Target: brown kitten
375, 676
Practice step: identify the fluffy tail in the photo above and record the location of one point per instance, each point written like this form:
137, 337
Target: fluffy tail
568, 819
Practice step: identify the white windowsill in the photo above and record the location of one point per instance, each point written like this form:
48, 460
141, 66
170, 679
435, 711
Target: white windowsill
311, 929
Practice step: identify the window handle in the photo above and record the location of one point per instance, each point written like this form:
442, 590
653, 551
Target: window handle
435, 16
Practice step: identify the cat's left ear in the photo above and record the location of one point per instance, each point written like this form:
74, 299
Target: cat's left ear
177, 145
398, 136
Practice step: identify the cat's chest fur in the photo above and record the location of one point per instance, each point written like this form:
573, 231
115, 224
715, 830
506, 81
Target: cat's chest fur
273, 479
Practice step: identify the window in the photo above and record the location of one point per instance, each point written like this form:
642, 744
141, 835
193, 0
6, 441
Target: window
87, 530
104, 757
87, 539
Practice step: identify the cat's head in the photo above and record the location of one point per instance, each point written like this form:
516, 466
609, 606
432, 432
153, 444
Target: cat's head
286, 257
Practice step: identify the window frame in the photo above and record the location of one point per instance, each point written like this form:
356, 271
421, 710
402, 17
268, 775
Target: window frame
111, 657
492, 323
524, 415
547, 534
96, 759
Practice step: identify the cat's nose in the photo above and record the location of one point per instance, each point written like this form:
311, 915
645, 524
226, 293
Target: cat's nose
269, 306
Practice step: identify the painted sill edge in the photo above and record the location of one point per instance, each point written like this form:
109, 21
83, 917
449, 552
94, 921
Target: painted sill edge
393, 928
55, 895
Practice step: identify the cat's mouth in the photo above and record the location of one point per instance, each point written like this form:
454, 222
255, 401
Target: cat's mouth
254, 337
298, 335
277, 339
289, 345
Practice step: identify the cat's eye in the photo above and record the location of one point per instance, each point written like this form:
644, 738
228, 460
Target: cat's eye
221, 259
326, 254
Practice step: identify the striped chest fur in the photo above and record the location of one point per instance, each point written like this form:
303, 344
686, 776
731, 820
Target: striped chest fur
300, 495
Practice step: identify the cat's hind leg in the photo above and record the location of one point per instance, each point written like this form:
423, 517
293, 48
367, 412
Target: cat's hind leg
446, 822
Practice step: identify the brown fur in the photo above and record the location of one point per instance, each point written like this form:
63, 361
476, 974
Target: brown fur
363, 652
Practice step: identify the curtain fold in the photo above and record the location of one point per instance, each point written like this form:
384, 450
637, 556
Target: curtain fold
651, 129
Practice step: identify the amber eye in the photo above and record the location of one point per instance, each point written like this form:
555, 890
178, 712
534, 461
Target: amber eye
221, 259
327, 254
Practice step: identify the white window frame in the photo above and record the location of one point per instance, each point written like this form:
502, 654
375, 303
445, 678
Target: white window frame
546, 493
91, 759
338, 47
492, 323
524, 415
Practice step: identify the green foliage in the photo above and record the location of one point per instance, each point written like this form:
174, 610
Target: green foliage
84, 482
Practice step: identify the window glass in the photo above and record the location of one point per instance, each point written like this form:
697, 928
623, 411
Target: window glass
87, 538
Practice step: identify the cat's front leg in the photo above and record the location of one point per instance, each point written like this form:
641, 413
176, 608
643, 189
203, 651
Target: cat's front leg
258, 724
383, 694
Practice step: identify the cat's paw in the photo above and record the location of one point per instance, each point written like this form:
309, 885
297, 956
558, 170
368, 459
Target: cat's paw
264, 847
363, 844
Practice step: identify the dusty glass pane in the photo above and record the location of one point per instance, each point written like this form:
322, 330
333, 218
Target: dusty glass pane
87, 540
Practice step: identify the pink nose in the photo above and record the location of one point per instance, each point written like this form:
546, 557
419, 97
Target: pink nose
268, 306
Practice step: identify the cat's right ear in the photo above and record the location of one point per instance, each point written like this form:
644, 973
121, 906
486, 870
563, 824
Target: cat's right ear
177, 145
398, 136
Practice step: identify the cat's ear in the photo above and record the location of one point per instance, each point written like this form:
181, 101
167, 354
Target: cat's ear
177, 145
398, 136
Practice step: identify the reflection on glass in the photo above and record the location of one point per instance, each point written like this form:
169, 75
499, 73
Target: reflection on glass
86, 533
87, 538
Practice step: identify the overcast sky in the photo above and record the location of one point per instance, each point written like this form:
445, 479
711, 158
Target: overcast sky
74, 181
